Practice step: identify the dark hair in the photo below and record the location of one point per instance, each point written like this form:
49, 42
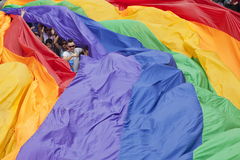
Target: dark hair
37, 34
85, 48
49, 41
30, 24
47, 29
62, 41
70, 41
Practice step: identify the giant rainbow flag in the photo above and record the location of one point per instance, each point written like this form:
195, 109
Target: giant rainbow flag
162, 81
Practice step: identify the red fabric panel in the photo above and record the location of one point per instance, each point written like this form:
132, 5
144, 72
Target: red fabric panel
201, 11
20, 40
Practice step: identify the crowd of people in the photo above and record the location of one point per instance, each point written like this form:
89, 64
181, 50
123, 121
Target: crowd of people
65, 49
231, 4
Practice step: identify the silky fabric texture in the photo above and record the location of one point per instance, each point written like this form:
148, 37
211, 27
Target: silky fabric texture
227, 47
232, 47
160, 59
61, 23
36, 101
50, 2
218, 106
179, 36
192, 70
139, 31
21, 2
87, 120
221, 119
91, 32
70, 132
221, 128
232, 122
151, 110
20, 40
12, 93
202, 11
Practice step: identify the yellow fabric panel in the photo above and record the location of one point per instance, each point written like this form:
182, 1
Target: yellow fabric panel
31, 106
105, 10
169, 28
14, 82
180, 36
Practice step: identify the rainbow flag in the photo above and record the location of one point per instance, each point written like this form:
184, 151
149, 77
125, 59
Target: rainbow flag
162, 82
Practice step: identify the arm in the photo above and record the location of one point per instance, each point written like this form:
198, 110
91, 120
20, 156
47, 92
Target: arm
67, 58
40, 31
55, 42
23, 11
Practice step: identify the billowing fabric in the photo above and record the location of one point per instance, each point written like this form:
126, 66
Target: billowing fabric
202, 11
229, 45
226, 47
221, 119
26, 97
20, 40
179, 36
192, 70
76, 25
22, 2
82, 29
49, 2
221, 128
70, 132
12, 93
139, 130
79, 32
113, 70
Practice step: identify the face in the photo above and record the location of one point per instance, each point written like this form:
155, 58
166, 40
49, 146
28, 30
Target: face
49, 45
48, 31
71, 46
64, 45
39, 38
85, 51
37, 35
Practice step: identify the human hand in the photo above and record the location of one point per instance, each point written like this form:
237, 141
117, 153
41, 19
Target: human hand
52, 31
42, 30
75, 55
23, 11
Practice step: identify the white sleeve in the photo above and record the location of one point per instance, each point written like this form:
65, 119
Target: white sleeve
78, 50
44, 37
65, 54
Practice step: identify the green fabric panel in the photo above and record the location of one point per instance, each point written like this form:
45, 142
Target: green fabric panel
50, 2
193, 71
137, 30
221, 140
221, 119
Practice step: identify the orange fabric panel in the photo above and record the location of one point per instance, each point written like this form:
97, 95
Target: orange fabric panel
226, 47
36, 102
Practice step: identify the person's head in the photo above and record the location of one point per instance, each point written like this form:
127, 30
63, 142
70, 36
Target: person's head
37, 35
85, 50
49, 43
71, 45
64, 45
48, 31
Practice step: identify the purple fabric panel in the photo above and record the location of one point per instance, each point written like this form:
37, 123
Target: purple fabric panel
87, 121
66, 23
